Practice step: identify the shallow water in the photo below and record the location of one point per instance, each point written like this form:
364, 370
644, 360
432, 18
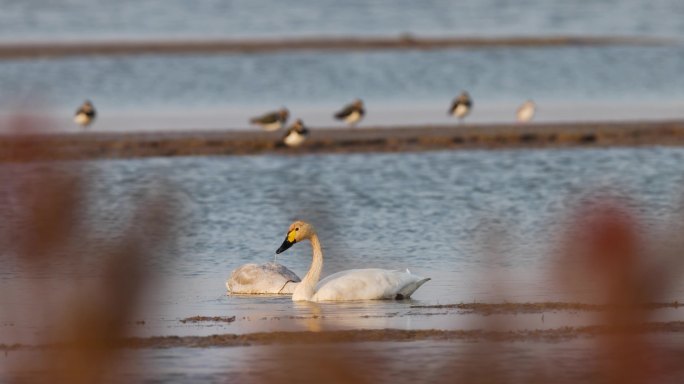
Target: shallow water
398, 87
222, 91
410, 209
430, 212
397, 362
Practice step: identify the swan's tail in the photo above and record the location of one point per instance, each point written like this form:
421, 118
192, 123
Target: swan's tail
408, 290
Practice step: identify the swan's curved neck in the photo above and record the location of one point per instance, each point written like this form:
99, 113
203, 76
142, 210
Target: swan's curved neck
305, 289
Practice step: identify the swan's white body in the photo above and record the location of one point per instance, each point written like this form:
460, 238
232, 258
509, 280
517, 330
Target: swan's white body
269, 278
367, 284
353, 284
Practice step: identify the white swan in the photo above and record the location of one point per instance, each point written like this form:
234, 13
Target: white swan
354, 284
268, 278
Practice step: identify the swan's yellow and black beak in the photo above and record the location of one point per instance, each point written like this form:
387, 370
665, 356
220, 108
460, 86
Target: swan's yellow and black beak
289, 241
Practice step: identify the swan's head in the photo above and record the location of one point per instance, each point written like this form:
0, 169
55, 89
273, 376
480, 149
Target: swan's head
297, 232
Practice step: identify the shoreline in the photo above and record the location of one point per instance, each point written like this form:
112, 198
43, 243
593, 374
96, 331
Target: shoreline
41, 146
56, 49
373, 335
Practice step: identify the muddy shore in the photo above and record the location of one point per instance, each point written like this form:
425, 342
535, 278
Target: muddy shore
519, 308
377, 335
365, 335
24, 50
123, 145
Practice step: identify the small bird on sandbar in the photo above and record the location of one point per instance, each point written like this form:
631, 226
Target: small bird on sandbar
461, 106
296, 134
272, 121
352, 113
526, 111
85, 114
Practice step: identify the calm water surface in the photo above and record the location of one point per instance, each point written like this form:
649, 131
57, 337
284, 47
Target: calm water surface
430, 212
397, 362
79, 19
303, 81
222, 91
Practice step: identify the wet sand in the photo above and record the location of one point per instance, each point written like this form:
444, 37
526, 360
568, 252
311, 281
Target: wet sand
96, 145
202, 319
383, 335
519, 308
322, 329
164, 47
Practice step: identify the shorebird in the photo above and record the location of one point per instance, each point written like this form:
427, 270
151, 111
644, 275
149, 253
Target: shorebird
296, 134
461, 106
526, 111
352, 113
85, 114
272, 121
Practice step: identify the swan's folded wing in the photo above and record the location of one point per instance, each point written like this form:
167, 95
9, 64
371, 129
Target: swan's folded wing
365, 284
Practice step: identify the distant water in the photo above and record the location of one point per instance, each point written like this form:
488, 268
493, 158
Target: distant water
131, 19
222, 91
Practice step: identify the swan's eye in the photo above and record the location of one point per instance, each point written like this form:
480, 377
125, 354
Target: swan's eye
296, 229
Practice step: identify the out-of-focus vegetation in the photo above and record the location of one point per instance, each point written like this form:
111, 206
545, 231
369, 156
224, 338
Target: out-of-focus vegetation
49, 235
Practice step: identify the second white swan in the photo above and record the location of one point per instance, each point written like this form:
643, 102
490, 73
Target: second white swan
354, 284
262, 279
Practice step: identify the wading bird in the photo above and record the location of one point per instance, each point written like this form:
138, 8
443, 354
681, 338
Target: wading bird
272, 121
352, 113
296, 134
85, 114
461, 106
526, 111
